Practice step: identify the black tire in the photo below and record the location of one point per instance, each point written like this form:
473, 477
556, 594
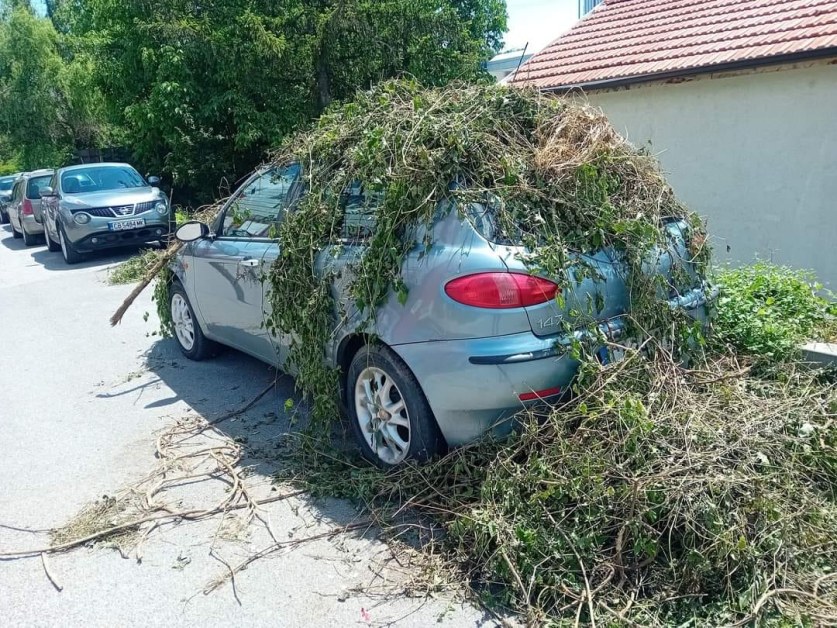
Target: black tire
17, 234
52, 245
424, 439
68, 252
4, 218
28, 239
202, 347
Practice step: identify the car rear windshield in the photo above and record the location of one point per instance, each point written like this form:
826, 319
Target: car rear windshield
100, 178
6, 184
36, 184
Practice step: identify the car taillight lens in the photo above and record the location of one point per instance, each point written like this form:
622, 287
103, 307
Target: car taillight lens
27, 207
501, 290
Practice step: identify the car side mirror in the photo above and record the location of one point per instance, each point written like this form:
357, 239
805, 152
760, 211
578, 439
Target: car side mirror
191, 231
154, 181
46, 192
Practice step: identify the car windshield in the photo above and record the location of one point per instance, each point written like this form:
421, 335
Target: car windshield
100, 178
36, 184
6, 184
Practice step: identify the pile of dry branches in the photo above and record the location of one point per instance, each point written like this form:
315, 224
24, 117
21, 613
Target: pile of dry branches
659, 494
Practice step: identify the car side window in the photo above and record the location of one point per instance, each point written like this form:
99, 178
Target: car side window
360, 212
261, 205
17, 193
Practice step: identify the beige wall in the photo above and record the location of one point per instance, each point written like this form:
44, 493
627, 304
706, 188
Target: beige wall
756, 154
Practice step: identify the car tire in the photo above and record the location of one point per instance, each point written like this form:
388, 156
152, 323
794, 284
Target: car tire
52, 245
187, 331
28, 239
380, 388
71, 256
4, 218
17, 234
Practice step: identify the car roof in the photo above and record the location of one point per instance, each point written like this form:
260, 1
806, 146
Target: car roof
95, 165
37, 173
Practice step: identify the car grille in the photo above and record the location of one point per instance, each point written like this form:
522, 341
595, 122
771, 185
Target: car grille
118, 211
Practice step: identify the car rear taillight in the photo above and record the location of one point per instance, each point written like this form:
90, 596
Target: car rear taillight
26, 208
501, 290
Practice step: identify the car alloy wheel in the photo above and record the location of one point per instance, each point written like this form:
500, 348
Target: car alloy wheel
382, 415
184, 325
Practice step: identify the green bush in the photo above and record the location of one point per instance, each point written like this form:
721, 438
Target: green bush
768, 310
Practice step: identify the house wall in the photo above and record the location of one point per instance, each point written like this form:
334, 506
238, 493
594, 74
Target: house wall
754, 153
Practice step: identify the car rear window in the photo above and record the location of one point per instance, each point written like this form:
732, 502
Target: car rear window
6, 184
36, 184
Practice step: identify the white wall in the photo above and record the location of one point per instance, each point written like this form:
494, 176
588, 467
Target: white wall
755, 154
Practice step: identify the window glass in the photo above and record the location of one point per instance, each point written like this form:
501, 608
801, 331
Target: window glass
100, 178
6, 184
17, 194
260, 206
35, 186
360, 207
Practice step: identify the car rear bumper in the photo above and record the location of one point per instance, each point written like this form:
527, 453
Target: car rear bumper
474, 386
32, 226
470, 398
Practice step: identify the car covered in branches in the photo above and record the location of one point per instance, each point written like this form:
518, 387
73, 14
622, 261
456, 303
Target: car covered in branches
92, 207
470, 339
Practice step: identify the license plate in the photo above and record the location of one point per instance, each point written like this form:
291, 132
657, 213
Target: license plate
612, 354
121, 225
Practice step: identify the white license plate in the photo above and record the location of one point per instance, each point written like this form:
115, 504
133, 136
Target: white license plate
610, 354
121, 225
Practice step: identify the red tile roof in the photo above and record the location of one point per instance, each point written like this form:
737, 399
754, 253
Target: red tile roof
632, 40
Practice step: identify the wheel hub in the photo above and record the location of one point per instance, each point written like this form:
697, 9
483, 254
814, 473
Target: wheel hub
382, 415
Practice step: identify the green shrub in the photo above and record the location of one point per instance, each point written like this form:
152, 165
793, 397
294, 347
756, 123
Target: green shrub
768, 311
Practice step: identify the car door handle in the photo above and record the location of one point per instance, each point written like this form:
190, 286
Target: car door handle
249, 262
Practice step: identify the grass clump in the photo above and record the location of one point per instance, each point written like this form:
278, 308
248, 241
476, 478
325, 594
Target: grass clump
769, 311
659, 495
134, 268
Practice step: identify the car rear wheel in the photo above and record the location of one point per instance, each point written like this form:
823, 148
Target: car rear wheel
52, 245
390, 416
17, 234
71, 256
187, 331
28, 239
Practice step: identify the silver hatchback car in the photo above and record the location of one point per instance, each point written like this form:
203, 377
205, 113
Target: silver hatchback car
477, 340
92, 207
24, 208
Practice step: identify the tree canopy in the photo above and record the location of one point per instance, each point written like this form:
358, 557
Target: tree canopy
201, 90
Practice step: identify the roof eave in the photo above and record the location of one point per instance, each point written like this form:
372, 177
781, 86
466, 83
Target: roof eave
742, 64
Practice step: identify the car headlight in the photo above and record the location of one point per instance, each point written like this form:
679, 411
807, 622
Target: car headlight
81, 219
162, 208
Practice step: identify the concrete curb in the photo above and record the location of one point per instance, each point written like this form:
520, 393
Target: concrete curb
823, 353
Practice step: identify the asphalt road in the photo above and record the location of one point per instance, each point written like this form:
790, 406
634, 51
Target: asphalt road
80, 410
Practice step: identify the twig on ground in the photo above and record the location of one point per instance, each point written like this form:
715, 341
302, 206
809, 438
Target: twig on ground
45, 563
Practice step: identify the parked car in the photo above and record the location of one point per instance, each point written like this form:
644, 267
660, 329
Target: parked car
6, 184
99, 206
25, 207
477, 339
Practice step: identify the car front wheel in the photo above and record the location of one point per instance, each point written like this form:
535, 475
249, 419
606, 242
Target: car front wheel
71, 256
52, 245
193, 344
390, 416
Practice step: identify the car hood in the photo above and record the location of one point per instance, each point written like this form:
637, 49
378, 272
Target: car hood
111, 198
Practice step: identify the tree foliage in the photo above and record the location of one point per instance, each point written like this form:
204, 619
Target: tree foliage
48, 103
202, 90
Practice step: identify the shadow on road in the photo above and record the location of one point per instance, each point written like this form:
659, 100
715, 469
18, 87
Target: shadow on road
228, 382
54, 261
